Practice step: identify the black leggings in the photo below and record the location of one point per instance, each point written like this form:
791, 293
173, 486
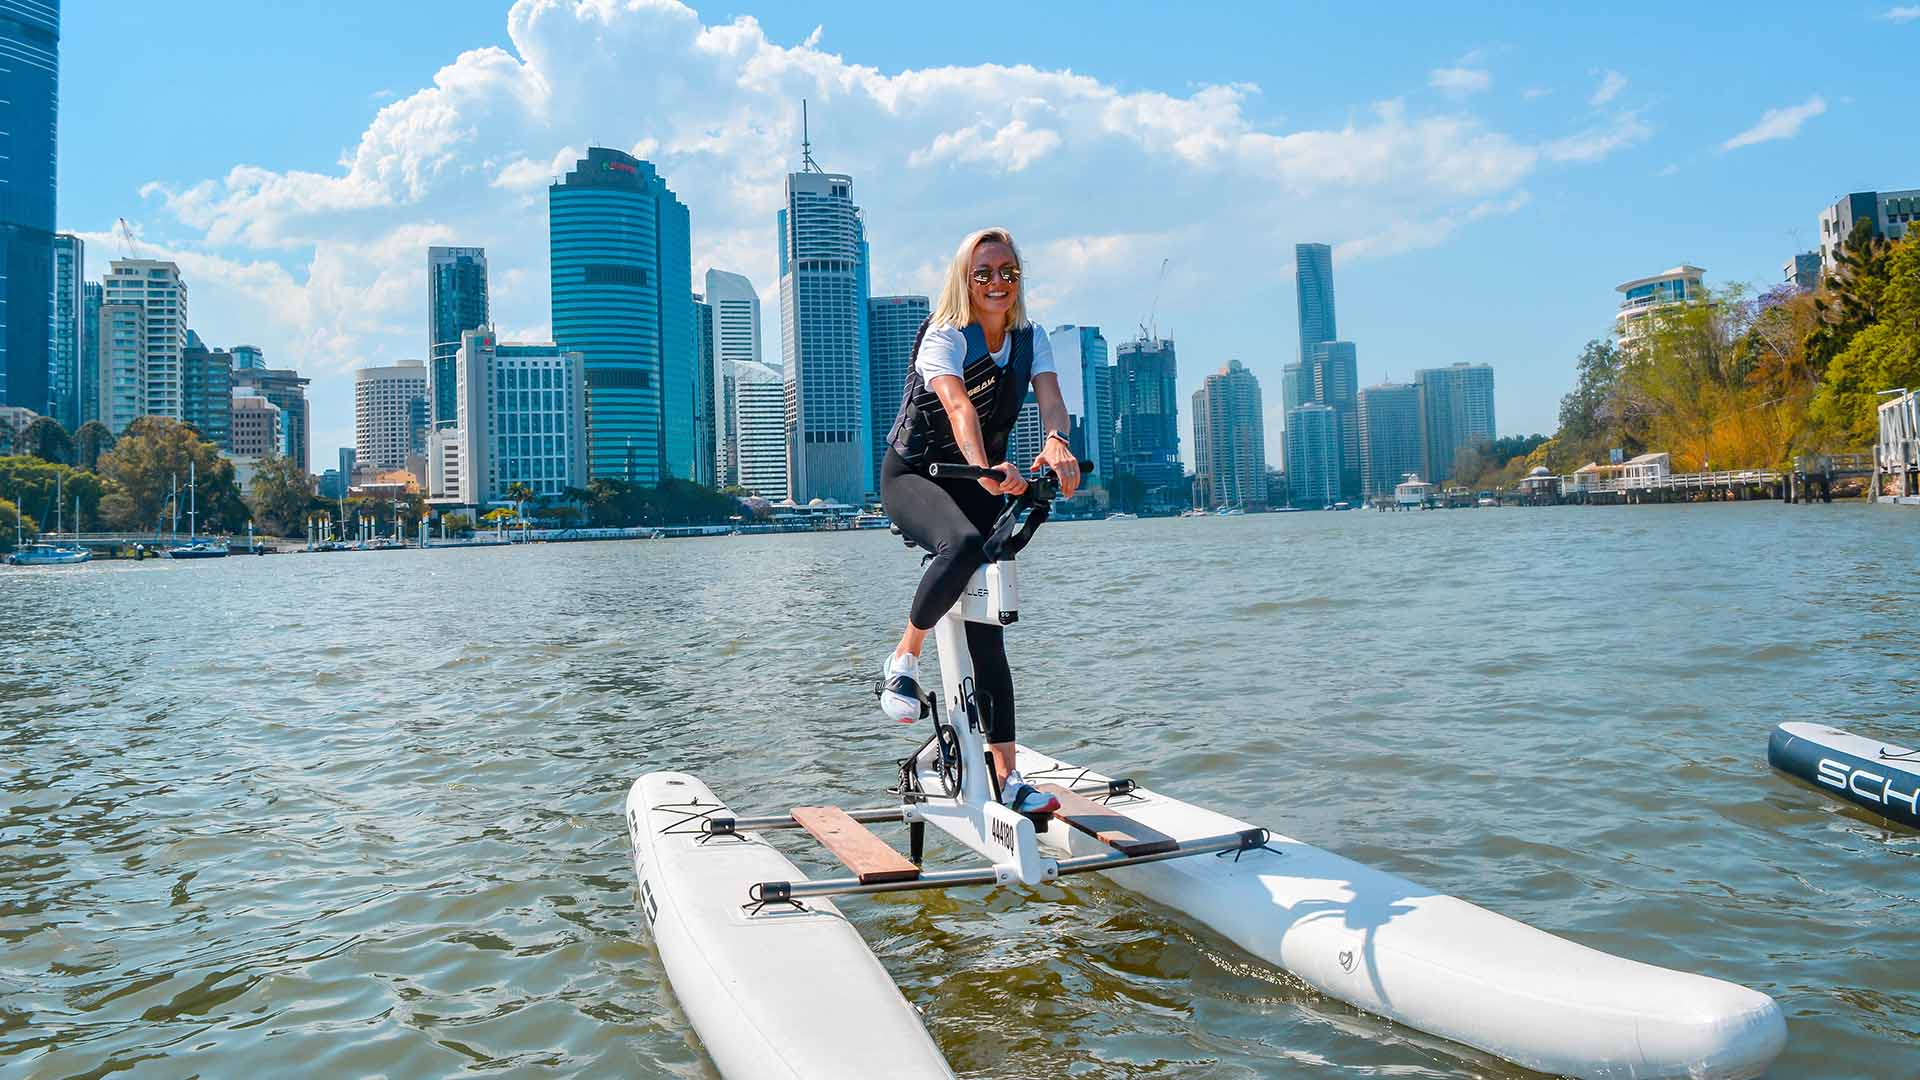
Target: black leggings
952, 519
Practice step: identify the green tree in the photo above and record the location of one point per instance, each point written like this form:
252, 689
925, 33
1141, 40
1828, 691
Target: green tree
89, 442
1126, 491
455, 524
520, 492
1884, 355
12, 524
1849, 298
45, 439
1592, 414
48, 491
282, 495
143, 466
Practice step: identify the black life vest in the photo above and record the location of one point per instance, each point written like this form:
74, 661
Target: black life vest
922, 433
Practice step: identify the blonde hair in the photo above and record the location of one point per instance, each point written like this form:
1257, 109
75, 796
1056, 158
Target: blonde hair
955, 306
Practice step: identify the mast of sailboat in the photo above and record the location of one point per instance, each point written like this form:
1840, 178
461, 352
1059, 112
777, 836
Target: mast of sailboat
192, 504
173, 504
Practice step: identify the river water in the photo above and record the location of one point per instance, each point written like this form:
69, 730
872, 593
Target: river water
360, 814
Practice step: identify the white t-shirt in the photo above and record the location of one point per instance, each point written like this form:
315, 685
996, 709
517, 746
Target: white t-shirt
944, 350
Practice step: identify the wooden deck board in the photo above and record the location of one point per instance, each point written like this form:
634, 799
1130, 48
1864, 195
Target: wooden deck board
869, 857
1108, 825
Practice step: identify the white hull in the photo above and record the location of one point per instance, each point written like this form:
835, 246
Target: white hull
782, 993
1437, 963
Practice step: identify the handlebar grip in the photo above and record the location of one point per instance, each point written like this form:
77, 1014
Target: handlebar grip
943, 470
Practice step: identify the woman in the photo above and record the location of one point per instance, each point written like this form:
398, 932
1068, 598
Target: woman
972, 365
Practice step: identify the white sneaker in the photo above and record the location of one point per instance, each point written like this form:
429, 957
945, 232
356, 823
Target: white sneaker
1023, 798
900, 688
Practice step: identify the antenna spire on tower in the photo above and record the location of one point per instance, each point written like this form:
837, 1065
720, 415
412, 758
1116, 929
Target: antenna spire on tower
807, 164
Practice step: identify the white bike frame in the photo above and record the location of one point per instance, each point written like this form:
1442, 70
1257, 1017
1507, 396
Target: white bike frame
1002, 836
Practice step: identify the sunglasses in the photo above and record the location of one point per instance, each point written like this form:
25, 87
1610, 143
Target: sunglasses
984, 275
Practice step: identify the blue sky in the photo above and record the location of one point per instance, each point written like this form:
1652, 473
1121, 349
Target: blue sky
1486, 177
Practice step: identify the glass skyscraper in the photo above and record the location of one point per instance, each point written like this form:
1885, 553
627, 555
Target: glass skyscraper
823, 338
1230, 439
891, 323
1332, 377
286, 390
622, 285
1146, 409
92, 297
1313, 456
30, 85
1456, 410
1313, 288
69, 327
1389, 437
456, 303
1086, 382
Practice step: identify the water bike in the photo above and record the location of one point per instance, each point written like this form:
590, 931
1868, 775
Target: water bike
778, 983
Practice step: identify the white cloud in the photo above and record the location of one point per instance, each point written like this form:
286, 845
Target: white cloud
1778, 124
1610, 86
324, 269
1902, 14
1459, 81
1596, 143
1533, 93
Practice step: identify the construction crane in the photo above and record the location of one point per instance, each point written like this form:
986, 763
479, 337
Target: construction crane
1149, 330
129, 247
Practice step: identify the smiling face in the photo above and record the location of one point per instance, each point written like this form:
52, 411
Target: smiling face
995, 295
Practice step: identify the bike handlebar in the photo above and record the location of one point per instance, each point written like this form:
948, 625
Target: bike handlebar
943, 470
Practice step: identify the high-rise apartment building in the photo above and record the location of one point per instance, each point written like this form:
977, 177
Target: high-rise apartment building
1890, 211
1390, 445
1313, 456
1026, 438
1334, 374
521, 418
706, 419
823, 337
736, 339
1230, 438
385, 409
1147, 412
69, 327
248, 358
759, 425
892, 322
1643, 298
30, 86
456, 303
1292, 395
1313, 292
1086, 383
622, 284
1802, 271
1456, 410
122, 342
288, 392
92, 297
157, 286
256, 426
206, 391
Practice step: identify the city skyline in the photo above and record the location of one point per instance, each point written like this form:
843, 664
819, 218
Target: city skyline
1573, 150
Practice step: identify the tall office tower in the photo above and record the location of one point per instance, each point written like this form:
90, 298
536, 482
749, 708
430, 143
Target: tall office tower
892, 322
1313, 290
1291, 394
1642, 299
621, 273
288, 391
69, 327
760, 428
206, 391
257, 431
1230, 438
92, 297
30, 85
706, 420
823, 336
156, 286
1334, 371
349, 461
521, 418
1456, 410
248, 358
384, 411
1389, 437
456, 303
736, 339
1313, 456
123, 364
1146, 409
1026, 438
1890, 211
1086, 382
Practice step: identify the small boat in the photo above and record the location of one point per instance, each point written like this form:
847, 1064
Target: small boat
203, 548
1230, 511
1122, 516
48, 555
1486, 500
1879, 776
